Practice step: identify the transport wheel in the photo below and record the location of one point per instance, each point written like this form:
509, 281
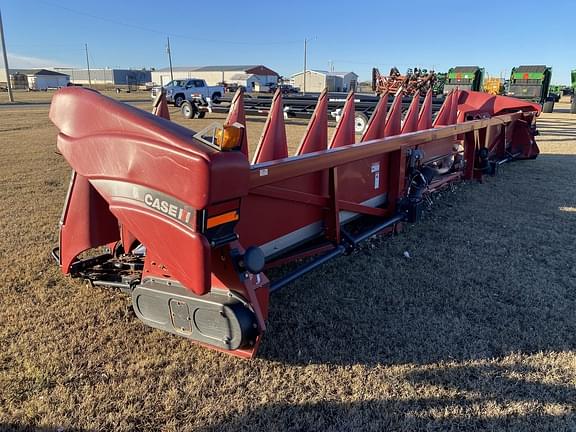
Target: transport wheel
573, 106
360, 123
201, 114
187, 110
178, 100
548, 106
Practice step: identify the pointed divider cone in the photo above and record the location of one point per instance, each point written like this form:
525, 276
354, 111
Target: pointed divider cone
316, 137
410, 123
345, 133
236, 114
377, 122
160, 108
425, 118
273, 144
454, 107
443, 117
394, 120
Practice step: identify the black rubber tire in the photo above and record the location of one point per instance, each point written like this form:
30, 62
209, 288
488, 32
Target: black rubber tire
573, 106
187, 110
548, 107
179, 99
216, 98
201, 114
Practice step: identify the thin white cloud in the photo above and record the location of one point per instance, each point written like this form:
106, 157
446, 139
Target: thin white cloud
17, 61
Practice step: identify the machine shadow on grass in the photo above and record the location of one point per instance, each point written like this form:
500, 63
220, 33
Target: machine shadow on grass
503, 284
481, 395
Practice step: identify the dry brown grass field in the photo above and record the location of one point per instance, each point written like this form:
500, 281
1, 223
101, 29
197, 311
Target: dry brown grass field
476, 331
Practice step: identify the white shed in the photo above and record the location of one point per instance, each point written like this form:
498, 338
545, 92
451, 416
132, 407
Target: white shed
349, 80
318, 80
248, 81
46, 79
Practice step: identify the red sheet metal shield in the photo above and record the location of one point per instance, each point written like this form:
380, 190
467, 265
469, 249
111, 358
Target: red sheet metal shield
153, 176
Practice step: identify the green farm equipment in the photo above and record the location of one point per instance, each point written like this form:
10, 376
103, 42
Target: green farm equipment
533, 83
464, 78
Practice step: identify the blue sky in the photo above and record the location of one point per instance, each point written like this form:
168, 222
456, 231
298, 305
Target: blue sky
353, 35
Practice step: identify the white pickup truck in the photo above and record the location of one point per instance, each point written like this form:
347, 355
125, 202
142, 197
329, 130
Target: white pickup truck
180, 90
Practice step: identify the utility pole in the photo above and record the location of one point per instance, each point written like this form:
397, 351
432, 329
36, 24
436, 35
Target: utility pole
3, 43
170, 59
88, 65
305, 48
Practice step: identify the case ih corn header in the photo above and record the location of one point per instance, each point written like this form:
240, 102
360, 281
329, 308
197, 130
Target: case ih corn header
186, 225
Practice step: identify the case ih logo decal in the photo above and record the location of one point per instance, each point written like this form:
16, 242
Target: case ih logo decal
158, 201
168, 208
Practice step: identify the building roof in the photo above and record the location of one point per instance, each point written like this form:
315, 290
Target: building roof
71, 69
227, 68
241, 76
343, 74
36, 72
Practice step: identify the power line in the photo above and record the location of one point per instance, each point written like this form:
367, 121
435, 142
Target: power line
169, 51
304, 77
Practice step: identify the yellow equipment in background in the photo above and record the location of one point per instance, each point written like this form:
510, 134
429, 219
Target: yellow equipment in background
493, 86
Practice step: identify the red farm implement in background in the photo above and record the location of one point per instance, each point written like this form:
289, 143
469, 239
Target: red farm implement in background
416, 81
188, 225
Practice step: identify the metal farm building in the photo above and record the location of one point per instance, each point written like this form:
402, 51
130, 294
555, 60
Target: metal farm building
108, 77
249, 76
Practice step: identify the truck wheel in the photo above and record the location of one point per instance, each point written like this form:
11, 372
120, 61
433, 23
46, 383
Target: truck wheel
201, 114
548, 107
187, 110
216, 98
179, 99
573, 106
360, 123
